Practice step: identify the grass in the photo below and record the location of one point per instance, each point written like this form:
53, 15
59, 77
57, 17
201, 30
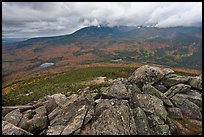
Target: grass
69, 82
65, 83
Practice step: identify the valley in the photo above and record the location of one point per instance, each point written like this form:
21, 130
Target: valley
179, 48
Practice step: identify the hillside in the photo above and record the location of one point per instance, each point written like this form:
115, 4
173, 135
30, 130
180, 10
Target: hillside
176, 47
151, 101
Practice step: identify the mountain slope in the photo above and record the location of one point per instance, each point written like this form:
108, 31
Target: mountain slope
176, 47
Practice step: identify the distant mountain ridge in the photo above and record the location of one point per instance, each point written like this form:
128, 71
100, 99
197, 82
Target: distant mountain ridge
189, 34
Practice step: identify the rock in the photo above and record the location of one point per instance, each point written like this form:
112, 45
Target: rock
180, 88
148, 89
55, 130
54, 113
141, 122
161, 130
89, 94
113, 117
175, 113
167, 71
60, 99
172, 126
14, 117
7, 109
76, 122
175, 80
117, 90
86, 129
189, 108
10, 129
34, 121
193, 96
152, 105
146, 74
72, 98
161, 88
73, 115
154, 120
50, 104
133, 89
196, 82
196, 123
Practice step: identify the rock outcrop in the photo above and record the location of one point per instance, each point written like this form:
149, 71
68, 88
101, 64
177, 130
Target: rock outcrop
152, 101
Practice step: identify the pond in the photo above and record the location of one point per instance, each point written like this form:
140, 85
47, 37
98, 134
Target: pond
46, 64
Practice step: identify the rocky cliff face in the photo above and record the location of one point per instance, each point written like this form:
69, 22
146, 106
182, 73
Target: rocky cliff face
152, 101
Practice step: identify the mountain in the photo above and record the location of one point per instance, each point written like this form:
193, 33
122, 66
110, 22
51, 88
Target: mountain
7, 41
152, 101
186, 35
179, 47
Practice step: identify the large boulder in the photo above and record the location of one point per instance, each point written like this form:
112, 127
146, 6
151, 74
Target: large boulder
187, 107
14, 117
148, 89
180, 88
55, 130
117, 90
113, 117
196, 82
10, 129
152, 105
175, 113
7, 109
168, 82
146, 74
74, 113
35, 121
141, 122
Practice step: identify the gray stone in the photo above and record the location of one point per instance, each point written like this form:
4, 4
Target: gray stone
175, 113
113, 117
14, 117
146, 74
7, 109
189, 108
161, 88
175, 80
167, 71
35, 121
196, 82
161, 130
10, 129
193, 96
50, 104
117, 90
55, 130
180, 88
148, 89
141, 122
154, 120
60, 99
76, 122
134, 89
152, 105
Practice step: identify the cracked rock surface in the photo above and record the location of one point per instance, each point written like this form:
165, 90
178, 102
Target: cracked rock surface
152, 101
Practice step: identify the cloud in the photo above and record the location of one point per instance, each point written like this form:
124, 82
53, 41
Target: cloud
31, 19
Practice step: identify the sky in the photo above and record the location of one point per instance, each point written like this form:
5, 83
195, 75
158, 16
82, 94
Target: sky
39, 19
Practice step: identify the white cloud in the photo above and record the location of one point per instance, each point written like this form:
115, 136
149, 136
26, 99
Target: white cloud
48, 18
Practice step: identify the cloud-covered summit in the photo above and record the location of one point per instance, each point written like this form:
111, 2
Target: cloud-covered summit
33, 19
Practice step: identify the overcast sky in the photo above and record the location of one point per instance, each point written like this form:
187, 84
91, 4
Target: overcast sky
34, 19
